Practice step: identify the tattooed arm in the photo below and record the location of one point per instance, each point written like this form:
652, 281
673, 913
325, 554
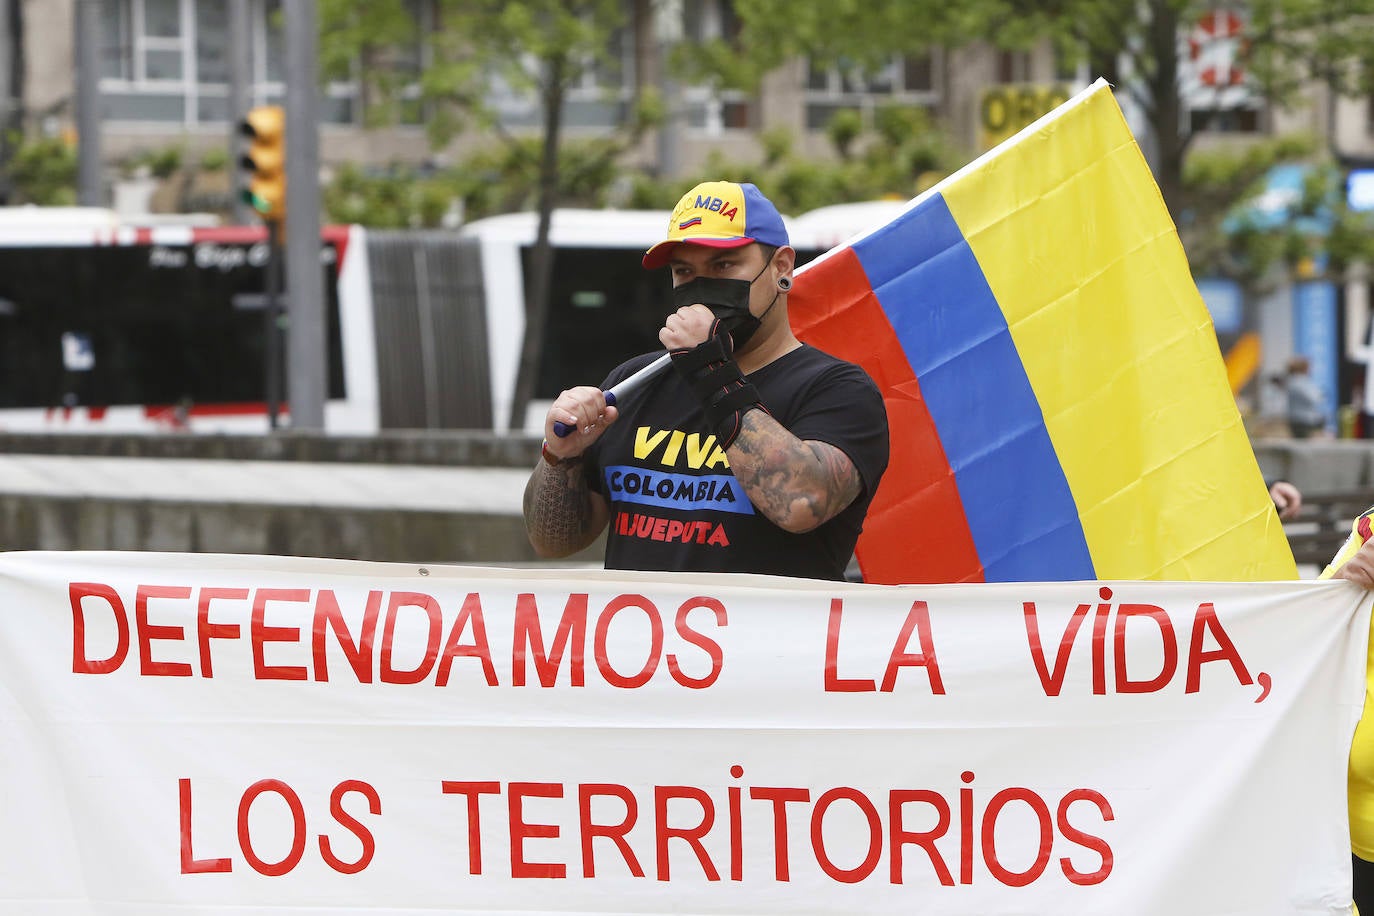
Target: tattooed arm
562, 514
799, 485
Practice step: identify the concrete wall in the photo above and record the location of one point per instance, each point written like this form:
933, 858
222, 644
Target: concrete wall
273, 522
299, 525
1319, 467
456, 448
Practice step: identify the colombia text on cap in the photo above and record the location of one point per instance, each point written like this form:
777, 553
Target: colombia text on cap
720, 214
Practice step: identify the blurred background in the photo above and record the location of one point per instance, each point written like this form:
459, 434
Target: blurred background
461, 192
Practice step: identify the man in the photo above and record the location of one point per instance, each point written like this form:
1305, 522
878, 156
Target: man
1306, 403
1287, 499
753, 453
1355, 561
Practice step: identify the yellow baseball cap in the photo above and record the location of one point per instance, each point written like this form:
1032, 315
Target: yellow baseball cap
720, 214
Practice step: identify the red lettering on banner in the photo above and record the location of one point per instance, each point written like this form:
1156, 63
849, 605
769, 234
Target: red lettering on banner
833, 682
780, 796
736, 815
900, 836
1205, 621
1086, 840
357, 652
529, 639
389, 674
966, 813
190, 865
293, 804
978, 839
603, 628
1042, 816
1100, 644
206, 631
148, 633
1160, 618
352, 825
700, 640
918, 620
520, 830
357, 639
472, 790
663, 832
1052, 681
613, 832
479, 648
262, 634
875, 835
82, 664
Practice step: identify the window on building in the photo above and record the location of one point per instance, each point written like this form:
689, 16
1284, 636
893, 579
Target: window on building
410, 62
1244, 120
1013, 66
601, 97
908, 80
708, 109
167, 61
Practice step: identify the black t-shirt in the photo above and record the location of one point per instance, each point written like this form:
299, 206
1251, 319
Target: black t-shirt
675, 505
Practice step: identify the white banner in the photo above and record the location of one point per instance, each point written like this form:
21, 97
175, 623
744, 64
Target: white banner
190, 733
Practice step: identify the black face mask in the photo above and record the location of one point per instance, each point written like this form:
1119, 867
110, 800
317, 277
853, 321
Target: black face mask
727, 299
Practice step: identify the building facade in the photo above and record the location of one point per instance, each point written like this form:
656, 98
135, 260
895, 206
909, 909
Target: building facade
164, 82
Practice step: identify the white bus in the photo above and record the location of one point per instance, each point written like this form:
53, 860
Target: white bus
106, 326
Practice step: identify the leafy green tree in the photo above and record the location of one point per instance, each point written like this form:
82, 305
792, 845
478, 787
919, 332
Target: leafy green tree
490, 181
1138, 45
1141, 46
1220, 186
903, 153
536, 49
42, 171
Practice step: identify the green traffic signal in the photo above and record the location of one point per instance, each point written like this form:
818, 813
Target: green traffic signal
264, 162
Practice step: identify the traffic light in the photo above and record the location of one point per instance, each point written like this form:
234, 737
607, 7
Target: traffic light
264, 162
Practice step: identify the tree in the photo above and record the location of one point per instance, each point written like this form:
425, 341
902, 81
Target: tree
903, 153
41, 171
534, 50
1140, 46
1143, 46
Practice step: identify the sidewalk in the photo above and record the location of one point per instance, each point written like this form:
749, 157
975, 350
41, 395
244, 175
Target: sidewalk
389, 512
487, 491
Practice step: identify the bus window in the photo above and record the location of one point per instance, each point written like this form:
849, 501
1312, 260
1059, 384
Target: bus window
604, 308
153, 325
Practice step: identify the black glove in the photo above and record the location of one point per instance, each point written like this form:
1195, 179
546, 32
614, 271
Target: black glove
711, 372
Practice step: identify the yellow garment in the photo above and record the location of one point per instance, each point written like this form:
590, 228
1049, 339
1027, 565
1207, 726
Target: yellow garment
1360, 772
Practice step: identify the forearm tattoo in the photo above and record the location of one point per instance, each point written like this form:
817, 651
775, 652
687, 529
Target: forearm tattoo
796, 484
558, 508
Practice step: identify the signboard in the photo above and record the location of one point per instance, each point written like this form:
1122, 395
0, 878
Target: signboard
1006, 108
1314, 336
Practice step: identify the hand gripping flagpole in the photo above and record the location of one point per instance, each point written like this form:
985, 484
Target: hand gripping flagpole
621, 388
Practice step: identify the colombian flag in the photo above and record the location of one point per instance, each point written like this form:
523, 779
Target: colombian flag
1058, 405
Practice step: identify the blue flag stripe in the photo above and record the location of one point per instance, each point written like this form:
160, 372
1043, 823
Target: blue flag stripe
1020, 511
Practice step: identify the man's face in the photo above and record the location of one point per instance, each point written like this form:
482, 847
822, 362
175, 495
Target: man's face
745, 263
